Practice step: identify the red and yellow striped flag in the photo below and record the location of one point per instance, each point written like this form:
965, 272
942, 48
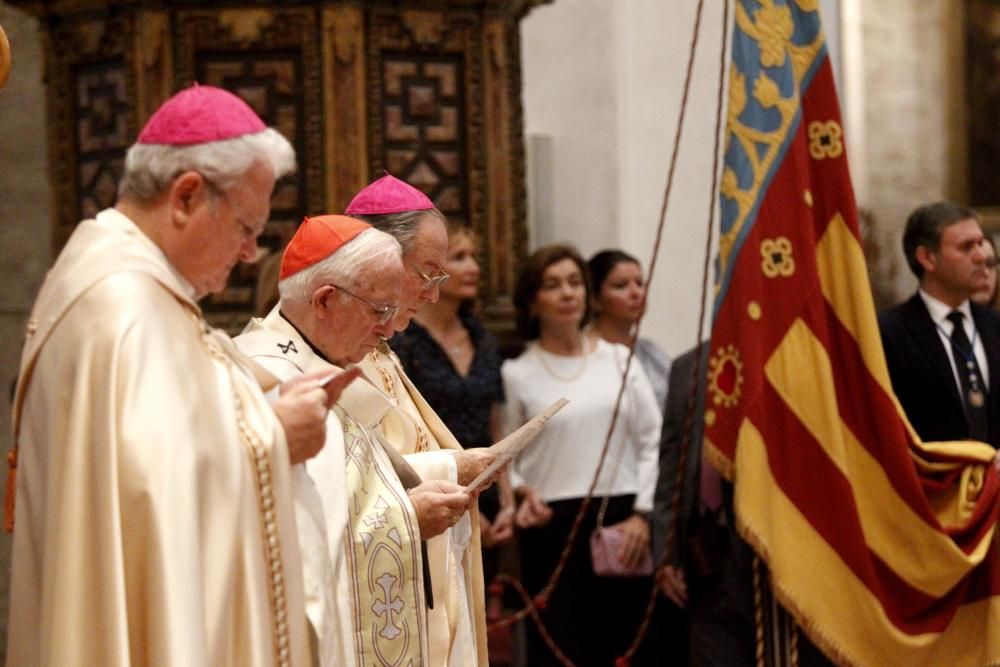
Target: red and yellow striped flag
881, 546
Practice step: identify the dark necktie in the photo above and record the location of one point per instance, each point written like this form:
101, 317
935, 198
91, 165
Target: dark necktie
710, 486
973, 388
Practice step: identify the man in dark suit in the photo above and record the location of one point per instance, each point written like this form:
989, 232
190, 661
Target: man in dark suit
709, 569
943, 351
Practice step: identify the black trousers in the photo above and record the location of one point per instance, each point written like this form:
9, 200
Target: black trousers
592, 619
721, 605
721, 601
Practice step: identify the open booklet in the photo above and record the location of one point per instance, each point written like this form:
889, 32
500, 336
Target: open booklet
327, 379
508, 448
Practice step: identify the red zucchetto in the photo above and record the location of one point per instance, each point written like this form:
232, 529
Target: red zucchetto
316, 239
198, 115
388, 195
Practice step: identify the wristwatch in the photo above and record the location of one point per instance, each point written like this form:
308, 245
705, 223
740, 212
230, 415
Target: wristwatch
645, 514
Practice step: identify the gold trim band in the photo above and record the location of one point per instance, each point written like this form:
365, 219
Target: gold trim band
260, 464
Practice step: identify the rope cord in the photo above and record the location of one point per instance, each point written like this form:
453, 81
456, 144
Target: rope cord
532, 605
697, 369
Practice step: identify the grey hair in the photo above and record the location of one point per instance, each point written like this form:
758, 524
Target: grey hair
402, 226
925, 226
150, 168
371, 251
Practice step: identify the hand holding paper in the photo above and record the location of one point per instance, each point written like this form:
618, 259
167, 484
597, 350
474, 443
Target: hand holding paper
508, 448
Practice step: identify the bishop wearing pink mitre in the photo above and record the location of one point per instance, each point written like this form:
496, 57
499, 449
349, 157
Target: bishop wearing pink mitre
457, 623
154, 519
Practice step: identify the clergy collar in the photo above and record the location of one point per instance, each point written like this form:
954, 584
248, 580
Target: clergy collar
315, 349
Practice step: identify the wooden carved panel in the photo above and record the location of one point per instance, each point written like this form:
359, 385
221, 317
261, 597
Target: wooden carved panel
154, 62
423, 127
102, 133
91, 122
271, 59
445, 115
425, 105
506, 205
982, 30
428, 89
344, 99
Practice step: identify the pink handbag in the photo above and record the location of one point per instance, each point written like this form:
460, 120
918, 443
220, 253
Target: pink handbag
605, 543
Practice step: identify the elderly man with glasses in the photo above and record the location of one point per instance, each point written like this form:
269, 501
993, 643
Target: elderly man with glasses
339, 283
458, 626
155, 521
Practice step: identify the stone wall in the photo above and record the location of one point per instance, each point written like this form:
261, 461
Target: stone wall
25, 252
602, 89
911, 79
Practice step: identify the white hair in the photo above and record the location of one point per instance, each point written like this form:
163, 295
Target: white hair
370, 252
150, 168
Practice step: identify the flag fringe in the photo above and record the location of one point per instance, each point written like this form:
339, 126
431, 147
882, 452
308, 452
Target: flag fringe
786, 598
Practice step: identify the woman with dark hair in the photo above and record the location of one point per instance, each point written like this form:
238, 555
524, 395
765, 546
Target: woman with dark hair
591, 618
618, 302
454, 362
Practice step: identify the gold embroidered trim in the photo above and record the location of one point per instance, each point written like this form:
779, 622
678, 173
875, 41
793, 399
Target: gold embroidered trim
423, 443
388, 587
388, 384
261, 466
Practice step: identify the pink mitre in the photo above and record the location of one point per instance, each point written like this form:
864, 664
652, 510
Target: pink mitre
316, 239
388, 195
198, 115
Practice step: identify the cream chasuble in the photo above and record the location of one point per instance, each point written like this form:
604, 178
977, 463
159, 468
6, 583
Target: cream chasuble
154, 518
412, 428
379, 612
320, 510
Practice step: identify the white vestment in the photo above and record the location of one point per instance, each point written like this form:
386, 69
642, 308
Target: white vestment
412, 428
371, 539
154, 517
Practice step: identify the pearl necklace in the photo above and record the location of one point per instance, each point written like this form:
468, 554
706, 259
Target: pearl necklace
540, 353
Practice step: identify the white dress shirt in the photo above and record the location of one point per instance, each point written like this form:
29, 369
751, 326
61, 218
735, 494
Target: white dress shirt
939, 315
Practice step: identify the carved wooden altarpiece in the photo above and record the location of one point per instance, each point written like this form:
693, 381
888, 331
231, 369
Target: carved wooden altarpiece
427, 90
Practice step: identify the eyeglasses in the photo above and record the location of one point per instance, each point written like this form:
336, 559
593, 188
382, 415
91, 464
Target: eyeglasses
430, 282
383, 313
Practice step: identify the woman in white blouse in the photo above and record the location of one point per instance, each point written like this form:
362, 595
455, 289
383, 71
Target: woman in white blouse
591, 618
